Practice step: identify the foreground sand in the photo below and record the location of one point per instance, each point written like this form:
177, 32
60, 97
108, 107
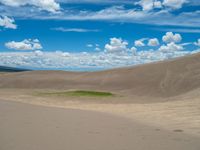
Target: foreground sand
181, 113
29, 127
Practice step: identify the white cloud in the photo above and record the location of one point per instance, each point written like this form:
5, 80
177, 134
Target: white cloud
186, 44
97, 49
84, 61
197, 43
116, 45
140, 42
153, 42
181, 30
26, 44
115, 13
89, 45
39, 53
133, 50
157, 4
97, 1
7, 22
48, 5
120, 13
170, 47
94, 46
74, 29
175, 4
170, 37
116, 54
148, 5
66, 54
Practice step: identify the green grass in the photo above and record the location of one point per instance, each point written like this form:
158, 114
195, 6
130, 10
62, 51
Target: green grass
79, 93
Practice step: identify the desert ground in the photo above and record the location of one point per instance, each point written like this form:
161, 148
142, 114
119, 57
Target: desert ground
154, 106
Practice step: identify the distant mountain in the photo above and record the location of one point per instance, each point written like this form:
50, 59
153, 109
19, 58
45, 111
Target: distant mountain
11, 69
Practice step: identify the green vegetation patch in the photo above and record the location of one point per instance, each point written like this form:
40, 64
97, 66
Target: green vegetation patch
79, 93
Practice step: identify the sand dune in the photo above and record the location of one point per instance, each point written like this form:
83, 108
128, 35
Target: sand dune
161, 79
163, 95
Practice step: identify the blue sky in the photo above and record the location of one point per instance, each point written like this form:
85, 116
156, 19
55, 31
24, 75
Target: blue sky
96, 34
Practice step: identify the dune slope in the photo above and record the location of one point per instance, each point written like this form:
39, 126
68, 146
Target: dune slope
161, 79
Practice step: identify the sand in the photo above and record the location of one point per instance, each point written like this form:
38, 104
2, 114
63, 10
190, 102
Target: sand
157, 106
155, 80
25, 126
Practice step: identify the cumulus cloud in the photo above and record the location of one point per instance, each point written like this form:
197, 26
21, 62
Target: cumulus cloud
27, 44
175, 4
116, 45
84, 61
38, 53
171, 37
153, 42
170, 47
48, 5
148, 5
157, 4
197, 43
133, 50
116, 54
7, 22
140, 42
